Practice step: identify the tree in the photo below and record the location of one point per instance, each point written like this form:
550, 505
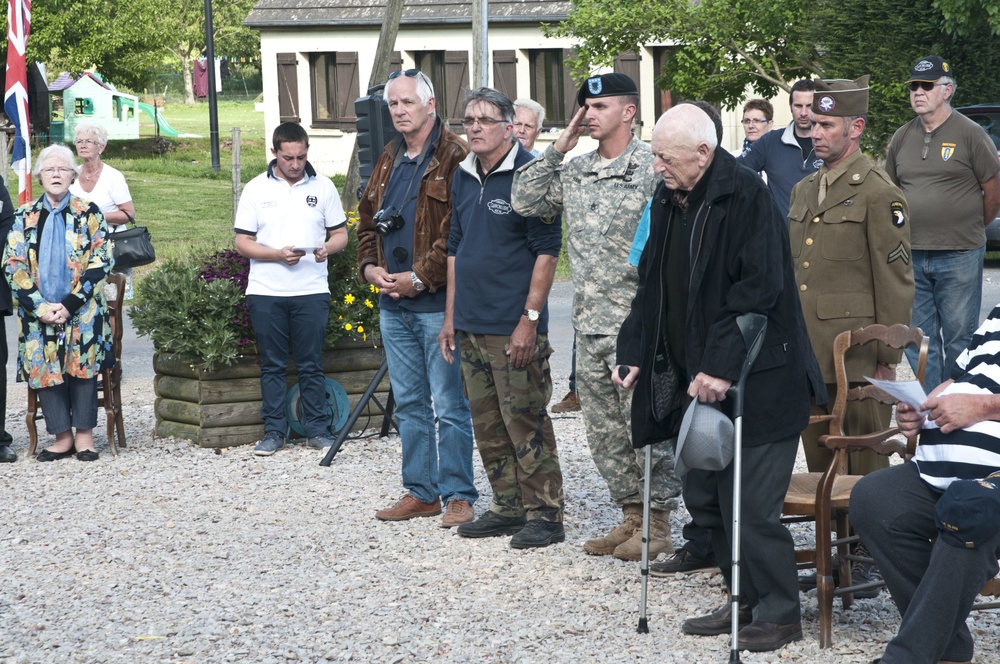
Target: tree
721, 47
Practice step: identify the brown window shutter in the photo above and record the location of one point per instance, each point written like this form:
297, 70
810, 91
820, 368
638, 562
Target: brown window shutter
663, 99
628, 64
288, 88
456, 84
505, 73
348, 88
395, 61
569, 87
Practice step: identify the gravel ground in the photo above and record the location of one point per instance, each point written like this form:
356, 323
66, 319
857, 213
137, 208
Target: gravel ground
171, 553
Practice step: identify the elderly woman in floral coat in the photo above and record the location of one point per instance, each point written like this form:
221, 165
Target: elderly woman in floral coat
56, 260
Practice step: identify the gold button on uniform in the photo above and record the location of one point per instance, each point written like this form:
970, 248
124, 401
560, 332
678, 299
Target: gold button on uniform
815, 220
806, 265
809, 241
803, 288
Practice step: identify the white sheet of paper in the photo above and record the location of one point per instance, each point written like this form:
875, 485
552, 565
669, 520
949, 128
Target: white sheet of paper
909, 392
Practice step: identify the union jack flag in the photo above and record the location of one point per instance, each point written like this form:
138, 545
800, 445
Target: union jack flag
15, 101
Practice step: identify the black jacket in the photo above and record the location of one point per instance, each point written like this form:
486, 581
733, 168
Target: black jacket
741, 263
6, 223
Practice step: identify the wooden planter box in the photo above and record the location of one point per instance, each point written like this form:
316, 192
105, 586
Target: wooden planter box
221, 408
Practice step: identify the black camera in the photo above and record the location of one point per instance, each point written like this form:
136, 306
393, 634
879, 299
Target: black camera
387, 220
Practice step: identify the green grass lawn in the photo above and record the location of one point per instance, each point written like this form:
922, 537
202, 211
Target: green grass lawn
186, 206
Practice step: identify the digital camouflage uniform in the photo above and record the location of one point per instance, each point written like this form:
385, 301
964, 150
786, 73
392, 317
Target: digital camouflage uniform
601, 206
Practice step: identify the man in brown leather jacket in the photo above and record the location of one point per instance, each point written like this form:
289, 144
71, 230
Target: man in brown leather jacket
405, 218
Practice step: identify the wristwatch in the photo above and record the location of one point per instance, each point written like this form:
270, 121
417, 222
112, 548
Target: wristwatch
532, 315
417, 284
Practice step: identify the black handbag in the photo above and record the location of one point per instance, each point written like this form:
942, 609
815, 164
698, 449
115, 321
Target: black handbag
132, 246
667, 389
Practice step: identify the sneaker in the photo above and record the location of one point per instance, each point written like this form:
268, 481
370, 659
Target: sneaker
683, 562
409, 507
491, 524
320, 442
569, 404
538, 533
271, 443
457, 513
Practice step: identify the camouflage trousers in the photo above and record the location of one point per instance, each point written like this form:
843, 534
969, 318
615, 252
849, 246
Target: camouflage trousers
513, 431
607, 419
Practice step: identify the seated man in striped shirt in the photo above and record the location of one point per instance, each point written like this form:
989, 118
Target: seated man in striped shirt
933, 583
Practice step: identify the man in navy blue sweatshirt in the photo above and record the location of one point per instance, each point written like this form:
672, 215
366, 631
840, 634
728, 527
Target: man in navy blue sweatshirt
500, 270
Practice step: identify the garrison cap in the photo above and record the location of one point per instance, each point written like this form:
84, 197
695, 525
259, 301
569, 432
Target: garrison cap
606, 85
930, 69
840, 97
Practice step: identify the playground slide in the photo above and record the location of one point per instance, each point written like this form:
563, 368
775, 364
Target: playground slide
165, 128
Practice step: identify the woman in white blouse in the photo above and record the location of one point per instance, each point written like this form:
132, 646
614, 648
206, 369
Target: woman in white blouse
101, 184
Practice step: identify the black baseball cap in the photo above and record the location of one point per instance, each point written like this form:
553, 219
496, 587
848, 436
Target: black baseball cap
930, 69
968, 514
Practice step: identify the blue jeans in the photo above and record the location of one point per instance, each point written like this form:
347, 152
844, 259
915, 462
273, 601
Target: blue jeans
72, 403
948, 291
437, 461
301, 321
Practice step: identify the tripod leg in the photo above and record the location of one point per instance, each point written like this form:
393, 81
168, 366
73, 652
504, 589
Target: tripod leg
355, 414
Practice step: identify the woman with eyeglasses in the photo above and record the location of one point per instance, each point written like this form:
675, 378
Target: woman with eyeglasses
758, 118
56, 260
102, 184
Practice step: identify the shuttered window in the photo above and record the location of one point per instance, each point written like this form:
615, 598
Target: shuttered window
288, 87
552, 86
335, 86
663, 100
628, 64
505, 73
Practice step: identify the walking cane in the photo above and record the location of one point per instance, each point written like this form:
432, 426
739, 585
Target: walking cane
752, 326
643, 627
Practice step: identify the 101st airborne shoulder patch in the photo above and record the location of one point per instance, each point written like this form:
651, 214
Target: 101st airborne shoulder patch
898, 216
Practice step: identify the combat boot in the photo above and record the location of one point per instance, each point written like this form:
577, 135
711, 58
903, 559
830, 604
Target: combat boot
659, 538
630, 525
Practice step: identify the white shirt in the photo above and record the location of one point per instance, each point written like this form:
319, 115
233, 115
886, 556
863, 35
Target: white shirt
109, 192
281, 215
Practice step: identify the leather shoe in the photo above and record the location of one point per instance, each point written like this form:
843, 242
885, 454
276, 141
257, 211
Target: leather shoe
719, 621
763, 636
46, 455
7, 454
409, 507
87, 455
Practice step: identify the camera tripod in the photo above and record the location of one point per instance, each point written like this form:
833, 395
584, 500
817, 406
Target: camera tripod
369, 395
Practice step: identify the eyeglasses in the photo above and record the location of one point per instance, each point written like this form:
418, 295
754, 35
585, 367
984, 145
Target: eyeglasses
926, 86
53, 170
927, 142
84, 141
411, 73
485, 123
746, 122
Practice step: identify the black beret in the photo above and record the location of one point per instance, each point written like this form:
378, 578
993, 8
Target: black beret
606, 85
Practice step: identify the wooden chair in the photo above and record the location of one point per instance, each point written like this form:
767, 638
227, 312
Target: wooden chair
825, 497
109, 393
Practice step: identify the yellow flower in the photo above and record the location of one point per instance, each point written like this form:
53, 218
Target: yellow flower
349, 298
347, 326
361, 329
368, 303
373, 288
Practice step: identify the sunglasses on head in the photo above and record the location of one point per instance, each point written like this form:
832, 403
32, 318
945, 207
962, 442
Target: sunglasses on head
926, 86
411, 73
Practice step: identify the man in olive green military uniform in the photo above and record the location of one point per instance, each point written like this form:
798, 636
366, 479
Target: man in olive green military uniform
601, 196
850, 237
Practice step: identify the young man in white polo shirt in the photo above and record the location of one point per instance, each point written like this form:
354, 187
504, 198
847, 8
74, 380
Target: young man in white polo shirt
288, 222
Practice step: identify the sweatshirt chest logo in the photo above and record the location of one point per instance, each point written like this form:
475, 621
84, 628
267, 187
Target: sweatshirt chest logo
499, 206
311, 201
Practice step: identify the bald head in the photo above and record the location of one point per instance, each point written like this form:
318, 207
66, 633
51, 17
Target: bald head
684, 142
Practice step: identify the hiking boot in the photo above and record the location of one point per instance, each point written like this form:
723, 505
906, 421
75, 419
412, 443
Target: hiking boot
862, 572
717, 622
320, 442
683, 562
491, 524
409, 507
457, 513
659, 538
569, 404
538, 533
271, 443
623, 532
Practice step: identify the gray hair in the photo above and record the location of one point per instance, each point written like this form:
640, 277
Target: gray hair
696, 128
425, 89
55, 151
91, 128
954, 86
494, 98
532, 106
